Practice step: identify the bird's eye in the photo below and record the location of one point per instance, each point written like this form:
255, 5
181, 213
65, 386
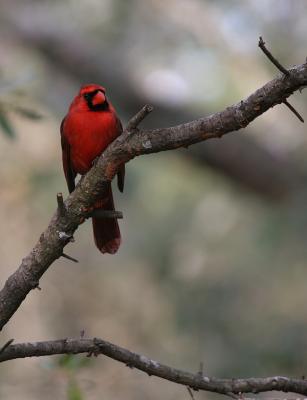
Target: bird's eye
87, 96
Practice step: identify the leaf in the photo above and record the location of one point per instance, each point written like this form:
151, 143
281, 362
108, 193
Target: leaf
6, 126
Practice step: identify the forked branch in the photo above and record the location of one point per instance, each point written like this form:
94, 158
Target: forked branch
73, 211
281, 68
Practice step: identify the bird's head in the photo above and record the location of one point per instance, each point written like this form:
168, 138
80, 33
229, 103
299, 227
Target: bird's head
93, 97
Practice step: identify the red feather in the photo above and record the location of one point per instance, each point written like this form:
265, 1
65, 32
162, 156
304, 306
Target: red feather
90, 125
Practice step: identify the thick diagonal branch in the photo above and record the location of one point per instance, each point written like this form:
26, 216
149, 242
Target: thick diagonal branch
125, 148
267, 173
195, 381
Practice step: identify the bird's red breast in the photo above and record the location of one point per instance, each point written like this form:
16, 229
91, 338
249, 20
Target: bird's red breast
89, 127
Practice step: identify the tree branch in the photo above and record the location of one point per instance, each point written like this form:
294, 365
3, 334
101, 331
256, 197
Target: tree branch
195, 381
281, 68
265, 172
125, 148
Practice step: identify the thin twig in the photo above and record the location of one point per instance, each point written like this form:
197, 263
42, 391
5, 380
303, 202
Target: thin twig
295, 112
69, 257
61, 205
277, 64
201, 369
6, 345
138, 118
190, 392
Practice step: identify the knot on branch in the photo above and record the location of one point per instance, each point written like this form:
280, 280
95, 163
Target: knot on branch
65, 237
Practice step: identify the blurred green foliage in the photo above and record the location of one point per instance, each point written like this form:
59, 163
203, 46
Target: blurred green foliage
6, 126
71, 363
73, 391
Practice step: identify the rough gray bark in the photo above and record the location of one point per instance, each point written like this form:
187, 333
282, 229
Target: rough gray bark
197, 381
129, 145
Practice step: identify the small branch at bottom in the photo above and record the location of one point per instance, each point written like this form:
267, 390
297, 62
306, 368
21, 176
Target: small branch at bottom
234, 388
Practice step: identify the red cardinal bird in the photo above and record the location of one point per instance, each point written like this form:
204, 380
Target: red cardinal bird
90, 125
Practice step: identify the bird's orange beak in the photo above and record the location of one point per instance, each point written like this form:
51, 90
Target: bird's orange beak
99, 98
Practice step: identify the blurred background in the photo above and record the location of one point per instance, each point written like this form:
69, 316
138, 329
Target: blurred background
213, 264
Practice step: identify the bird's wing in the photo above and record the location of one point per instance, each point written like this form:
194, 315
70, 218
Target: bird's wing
68, 169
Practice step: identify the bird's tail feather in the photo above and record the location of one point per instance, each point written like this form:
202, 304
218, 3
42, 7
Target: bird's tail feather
106, 230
